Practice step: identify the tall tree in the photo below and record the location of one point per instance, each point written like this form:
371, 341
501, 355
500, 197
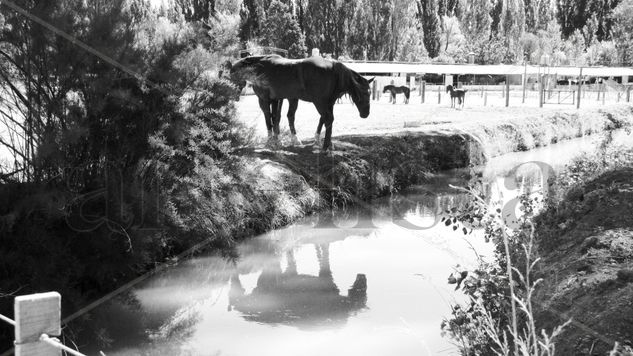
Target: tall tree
251, 15
321, 24
496, 14
574, 15
538, 13
475, 19
196, 10
405, 40
428, 12
623, 31
512, 25
281, 30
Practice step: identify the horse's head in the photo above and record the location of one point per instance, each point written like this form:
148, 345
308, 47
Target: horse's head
449, 88
385, 89
361, 94
238, 75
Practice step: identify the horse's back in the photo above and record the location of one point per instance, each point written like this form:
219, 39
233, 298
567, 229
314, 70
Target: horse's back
307, 79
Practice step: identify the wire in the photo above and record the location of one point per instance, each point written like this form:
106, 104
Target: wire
4, 318
56, 343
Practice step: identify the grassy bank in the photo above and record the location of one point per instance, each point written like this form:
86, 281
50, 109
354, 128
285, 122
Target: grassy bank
585, 239
570, 265
528, 132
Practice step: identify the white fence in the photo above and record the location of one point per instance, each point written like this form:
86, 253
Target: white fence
37, 323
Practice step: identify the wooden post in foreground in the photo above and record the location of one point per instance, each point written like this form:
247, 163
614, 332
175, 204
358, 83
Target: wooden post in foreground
579, 88
37, 314
423, 90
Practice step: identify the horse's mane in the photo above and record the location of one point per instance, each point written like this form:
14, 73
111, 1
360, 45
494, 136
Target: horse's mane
347, 82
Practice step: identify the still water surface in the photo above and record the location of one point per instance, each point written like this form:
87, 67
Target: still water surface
363, 283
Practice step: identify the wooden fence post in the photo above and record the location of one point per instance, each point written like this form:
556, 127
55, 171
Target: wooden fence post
485, 98
628, 94
541, 91
439, 94
579, 88
37, 314
374, 90
423, 91
507, 91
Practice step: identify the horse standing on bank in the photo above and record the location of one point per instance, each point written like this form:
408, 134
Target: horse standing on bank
459, 94
314, 79
397, 90
273, 108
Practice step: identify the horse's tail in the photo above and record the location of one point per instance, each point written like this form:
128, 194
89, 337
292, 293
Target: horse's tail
407, 92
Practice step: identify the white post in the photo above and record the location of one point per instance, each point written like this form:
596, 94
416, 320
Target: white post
315, 52
37, 314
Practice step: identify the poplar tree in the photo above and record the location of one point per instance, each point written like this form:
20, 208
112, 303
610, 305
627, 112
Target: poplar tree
428, 13
281, 30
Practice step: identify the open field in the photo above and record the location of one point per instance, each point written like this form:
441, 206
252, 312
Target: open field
528, 123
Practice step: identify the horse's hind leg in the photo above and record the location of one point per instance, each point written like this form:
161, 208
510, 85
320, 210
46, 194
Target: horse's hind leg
317, 134
292, 109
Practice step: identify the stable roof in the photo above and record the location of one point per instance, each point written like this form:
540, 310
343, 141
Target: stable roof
476, 69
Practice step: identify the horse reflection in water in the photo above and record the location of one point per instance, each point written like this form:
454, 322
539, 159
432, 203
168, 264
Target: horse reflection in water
298, 299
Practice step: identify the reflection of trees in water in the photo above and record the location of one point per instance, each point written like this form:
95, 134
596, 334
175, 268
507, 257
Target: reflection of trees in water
426, 204
287, 297
119, 322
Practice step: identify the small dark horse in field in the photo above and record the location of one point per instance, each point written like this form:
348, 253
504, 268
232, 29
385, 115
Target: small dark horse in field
459, 94
397, 90
314, 79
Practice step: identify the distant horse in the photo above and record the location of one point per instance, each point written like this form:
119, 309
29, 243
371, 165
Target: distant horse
459, 94
314, 79
272, 107
397, 90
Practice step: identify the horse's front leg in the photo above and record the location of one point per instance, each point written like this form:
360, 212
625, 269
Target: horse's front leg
328, 120
265, 105
275, 108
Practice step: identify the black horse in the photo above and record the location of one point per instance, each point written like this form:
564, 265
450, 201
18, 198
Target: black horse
397, 90
314, 79
459, 94
270, 109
